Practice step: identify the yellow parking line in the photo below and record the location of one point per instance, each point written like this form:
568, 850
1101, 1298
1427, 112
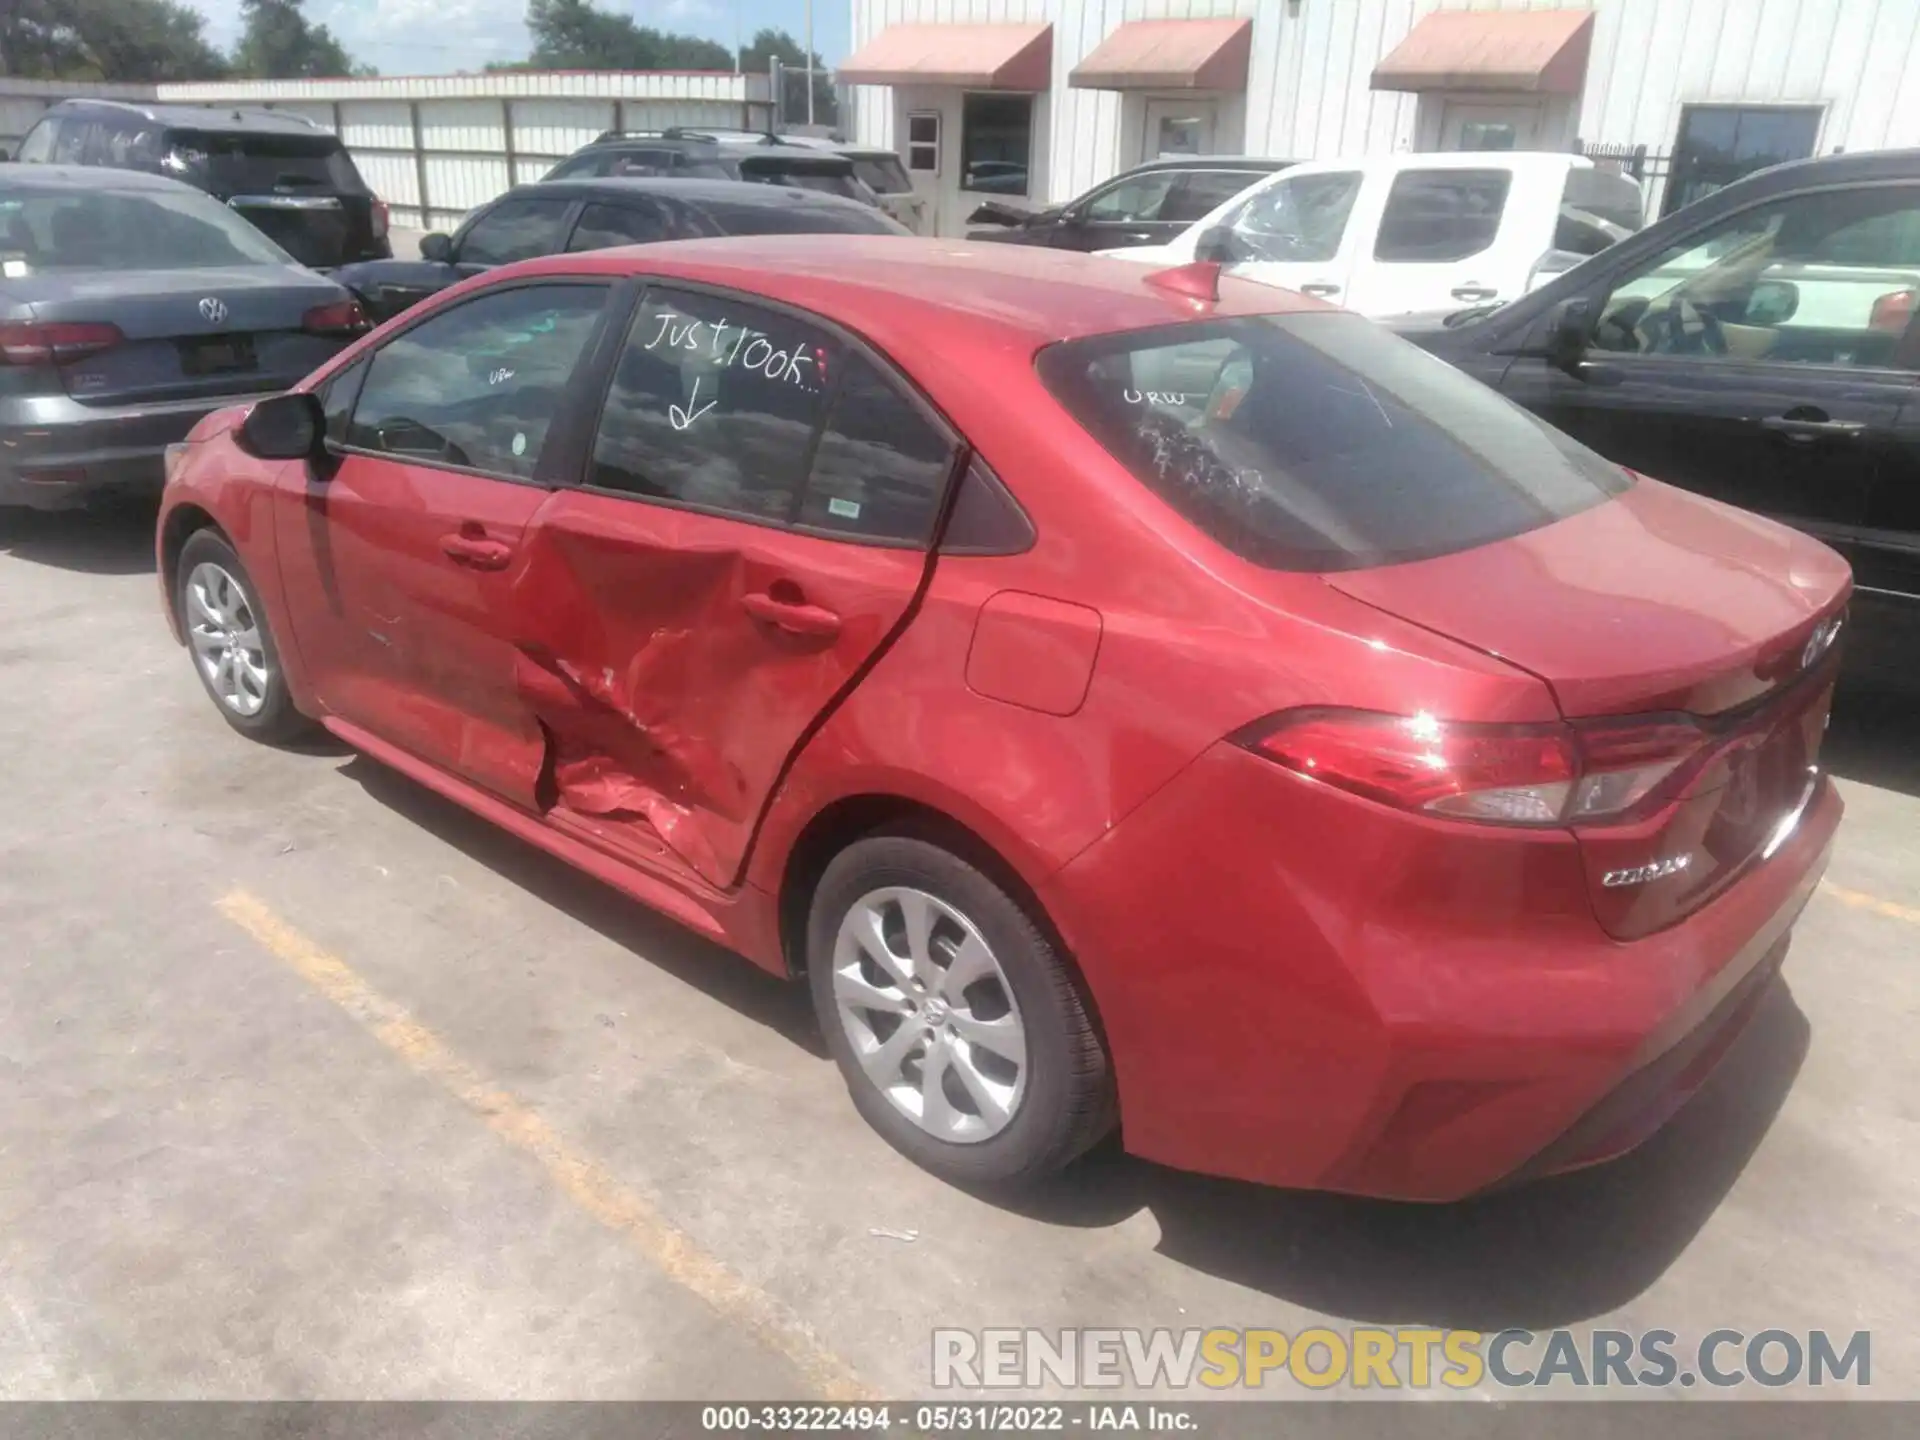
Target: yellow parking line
1860, 900
583, 1180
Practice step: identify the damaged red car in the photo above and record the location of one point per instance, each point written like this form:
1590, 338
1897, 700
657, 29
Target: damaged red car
1132, 701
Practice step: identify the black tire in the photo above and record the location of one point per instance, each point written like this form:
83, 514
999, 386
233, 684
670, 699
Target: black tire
277, 721
1067, 1104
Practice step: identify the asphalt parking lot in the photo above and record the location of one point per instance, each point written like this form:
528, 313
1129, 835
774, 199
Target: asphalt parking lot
316, 1087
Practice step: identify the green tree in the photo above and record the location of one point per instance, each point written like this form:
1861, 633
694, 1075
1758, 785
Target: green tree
117, 40
770, 45
278, 42
576, 35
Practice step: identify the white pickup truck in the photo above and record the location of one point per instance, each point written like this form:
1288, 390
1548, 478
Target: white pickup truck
1410, 234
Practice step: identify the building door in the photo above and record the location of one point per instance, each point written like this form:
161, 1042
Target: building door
1180, 127
1475, 125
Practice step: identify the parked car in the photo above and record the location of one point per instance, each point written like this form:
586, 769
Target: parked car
679, 154
130, 306
1757, 346
1150, 204
881, 171
559, 215
292, 179
1402, 234
1117, 696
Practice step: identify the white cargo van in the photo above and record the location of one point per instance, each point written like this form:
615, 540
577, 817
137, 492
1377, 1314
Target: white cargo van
1402, 235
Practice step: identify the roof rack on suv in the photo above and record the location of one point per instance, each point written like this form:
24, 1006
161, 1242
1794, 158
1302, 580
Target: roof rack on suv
712, 133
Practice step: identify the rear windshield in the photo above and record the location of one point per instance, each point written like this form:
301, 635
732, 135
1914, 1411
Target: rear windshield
238, 164
169, 229
1320, 442
828, 179
804, 217
882, 174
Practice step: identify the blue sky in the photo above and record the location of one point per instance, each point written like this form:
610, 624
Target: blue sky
426, 37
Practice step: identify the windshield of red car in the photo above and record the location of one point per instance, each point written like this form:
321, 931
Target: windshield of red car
1321, 442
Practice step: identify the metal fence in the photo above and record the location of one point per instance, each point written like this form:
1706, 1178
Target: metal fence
1652, 168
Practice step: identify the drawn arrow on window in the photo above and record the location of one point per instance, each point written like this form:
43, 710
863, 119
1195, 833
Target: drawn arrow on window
681, 418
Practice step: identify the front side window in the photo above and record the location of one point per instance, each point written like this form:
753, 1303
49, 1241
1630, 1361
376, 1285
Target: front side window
1201, 192
881, 467
601, 227
1319, 442
477, 385
1302, 218
713, 404
1827, 278
514, 230
55, 231
1135, 199
996, 143
1434, 216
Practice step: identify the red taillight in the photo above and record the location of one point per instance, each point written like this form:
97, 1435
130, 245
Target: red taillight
1552, 774
342, 317
1892, 312
55, 343
382, 219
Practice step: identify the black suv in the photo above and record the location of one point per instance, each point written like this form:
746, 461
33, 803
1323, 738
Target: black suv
1759, 346
293, 180
678, 153
1150, 204
557, 216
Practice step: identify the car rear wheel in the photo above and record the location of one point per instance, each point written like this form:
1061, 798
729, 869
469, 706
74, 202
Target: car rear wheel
231, 645
961, 1034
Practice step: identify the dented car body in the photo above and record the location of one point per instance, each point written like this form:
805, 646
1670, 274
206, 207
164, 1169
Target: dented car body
1304, 696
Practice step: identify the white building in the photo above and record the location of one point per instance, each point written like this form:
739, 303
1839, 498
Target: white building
1037, 100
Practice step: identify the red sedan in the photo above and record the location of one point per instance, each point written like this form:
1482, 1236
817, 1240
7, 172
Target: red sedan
1138, 700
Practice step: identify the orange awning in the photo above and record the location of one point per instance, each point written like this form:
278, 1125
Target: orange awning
980, 57
1169, 55
1534, 51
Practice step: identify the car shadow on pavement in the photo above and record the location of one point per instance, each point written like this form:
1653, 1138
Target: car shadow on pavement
1875, 735
111, 540
1554, 1252
733, 981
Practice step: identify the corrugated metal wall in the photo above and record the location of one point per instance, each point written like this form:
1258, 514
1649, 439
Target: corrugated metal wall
1308, 94
481, 134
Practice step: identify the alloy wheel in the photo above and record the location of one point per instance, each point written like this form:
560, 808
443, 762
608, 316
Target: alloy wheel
930, 1014
226, 640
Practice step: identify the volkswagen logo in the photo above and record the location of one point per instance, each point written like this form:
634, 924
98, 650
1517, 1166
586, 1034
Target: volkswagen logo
213, 311
1820, 641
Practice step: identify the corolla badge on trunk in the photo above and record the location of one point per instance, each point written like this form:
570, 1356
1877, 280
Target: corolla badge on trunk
1821, 641
1641, 874
213, 310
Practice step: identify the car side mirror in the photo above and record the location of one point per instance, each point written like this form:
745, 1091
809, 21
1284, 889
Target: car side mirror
284, 427
1215, 246
1773, 302
437, 248
1572, 332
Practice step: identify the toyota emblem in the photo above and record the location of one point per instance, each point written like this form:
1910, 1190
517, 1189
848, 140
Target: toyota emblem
213, 311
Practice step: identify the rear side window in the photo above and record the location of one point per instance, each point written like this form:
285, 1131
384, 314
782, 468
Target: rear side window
714, 404
477, 385
803, 175
603, 226
1303, 217
514, 230
883, 174
800, 217
1434, 216
881, 467
1321, 442
1201, 192
37, 148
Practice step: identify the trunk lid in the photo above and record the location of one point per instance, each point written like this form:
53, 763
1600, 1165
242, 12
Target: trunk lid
1658, 603
188, 333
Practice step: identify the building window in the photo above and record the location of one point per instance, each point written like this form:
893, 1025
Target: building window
923, 141
1720, 143
996, 142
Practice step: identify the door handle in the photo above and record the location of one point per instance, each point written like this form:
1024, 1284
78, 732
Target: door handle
794, 616
1320, 288
1804, 430
476, 551
1473, 291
